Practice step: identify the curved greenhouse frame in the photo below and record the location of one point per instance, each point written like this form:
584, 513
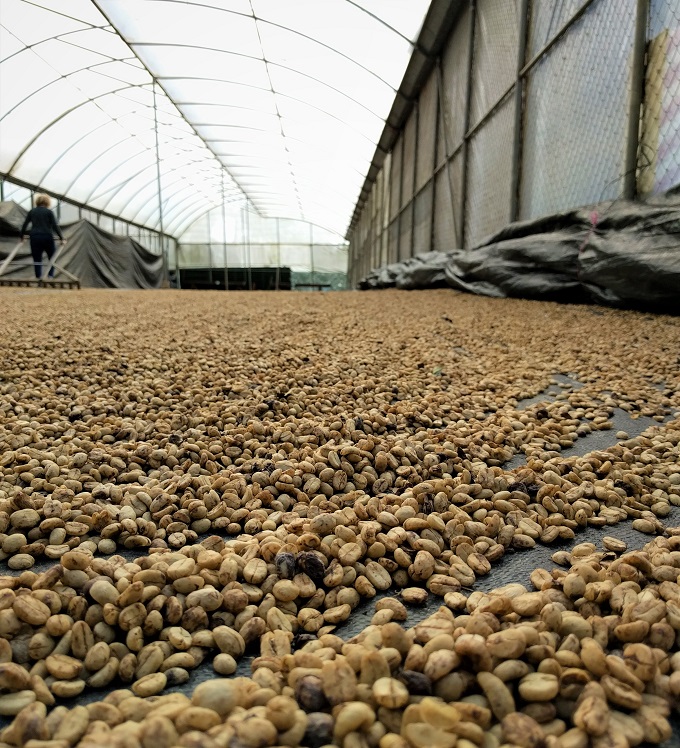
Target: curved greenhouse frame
269, 104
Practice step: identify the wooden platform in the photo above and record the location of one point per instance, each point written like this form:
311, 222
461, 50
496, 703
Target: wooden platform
35, 283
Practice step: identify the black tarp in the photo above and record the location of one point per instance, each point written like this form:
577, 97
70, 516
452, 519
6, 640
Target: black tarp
623, 253
99, 259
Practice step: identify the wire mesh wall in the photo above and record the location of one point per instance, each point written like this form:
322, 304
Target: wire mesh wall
534, 107
660, 142
577, 114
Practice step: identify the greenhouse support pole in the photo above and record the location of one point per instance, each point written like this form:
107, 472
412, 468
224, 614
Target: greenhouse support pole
224, 238
179, 281
433, 211
278, 255
397, 217
444, 111
311, 255
468, 107
637, 79
414, 190
164, 255
519, 110
210, 257
250, 275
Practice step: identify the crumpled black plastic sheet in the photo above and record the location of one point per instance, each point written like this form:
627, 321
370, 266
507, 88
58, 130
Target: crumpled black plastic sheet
98, 258
620, 253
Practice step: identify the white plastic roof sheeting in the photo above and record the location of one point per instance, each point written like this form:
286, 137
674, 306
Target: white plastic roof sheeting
281, 102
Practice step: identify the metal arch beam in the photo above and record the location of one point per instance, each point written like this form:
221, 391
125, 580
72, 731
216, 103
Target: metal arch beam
92, 194
169, 193
131, 177
88, 100
63, 153
133, 46
179, 206
294, 183
380, 20
278, 93
252, 109
304, 181
220, 165
200, 215
186, 223
248, 57
235, 127
60, 37
189, 213
187, 209
171, 177
228, 167
334, 51
124, 84
349, 2
66, 15
96, 3
239, 199
317, 225
36, 137
136, 192
125, 181
297, 72
151, 184
30, 95
269, 23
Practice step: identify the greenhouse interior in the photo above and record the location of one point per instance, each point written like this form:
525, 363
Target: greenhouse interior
340, 390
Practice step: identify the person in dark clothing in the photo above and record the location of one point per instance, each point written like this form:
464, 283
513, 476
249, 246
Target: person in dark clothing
43, 227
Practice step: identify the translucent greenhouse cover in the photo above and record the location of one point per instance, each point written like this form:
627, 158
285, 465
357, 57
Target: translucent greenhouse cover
277, 102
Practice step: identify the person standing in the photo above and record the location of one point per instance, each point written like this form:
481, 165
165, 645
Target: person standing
43, 228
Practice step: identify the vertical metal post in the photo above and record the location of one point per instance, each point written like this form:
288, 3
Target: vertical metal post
2, 190
210, 257
224, 237
311, 255
519, 111
250, 276
177, 275
373, 223
278, 255
158, 183
399, 197
468, 107
434, 170
416, 114
443, 109
637, 79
